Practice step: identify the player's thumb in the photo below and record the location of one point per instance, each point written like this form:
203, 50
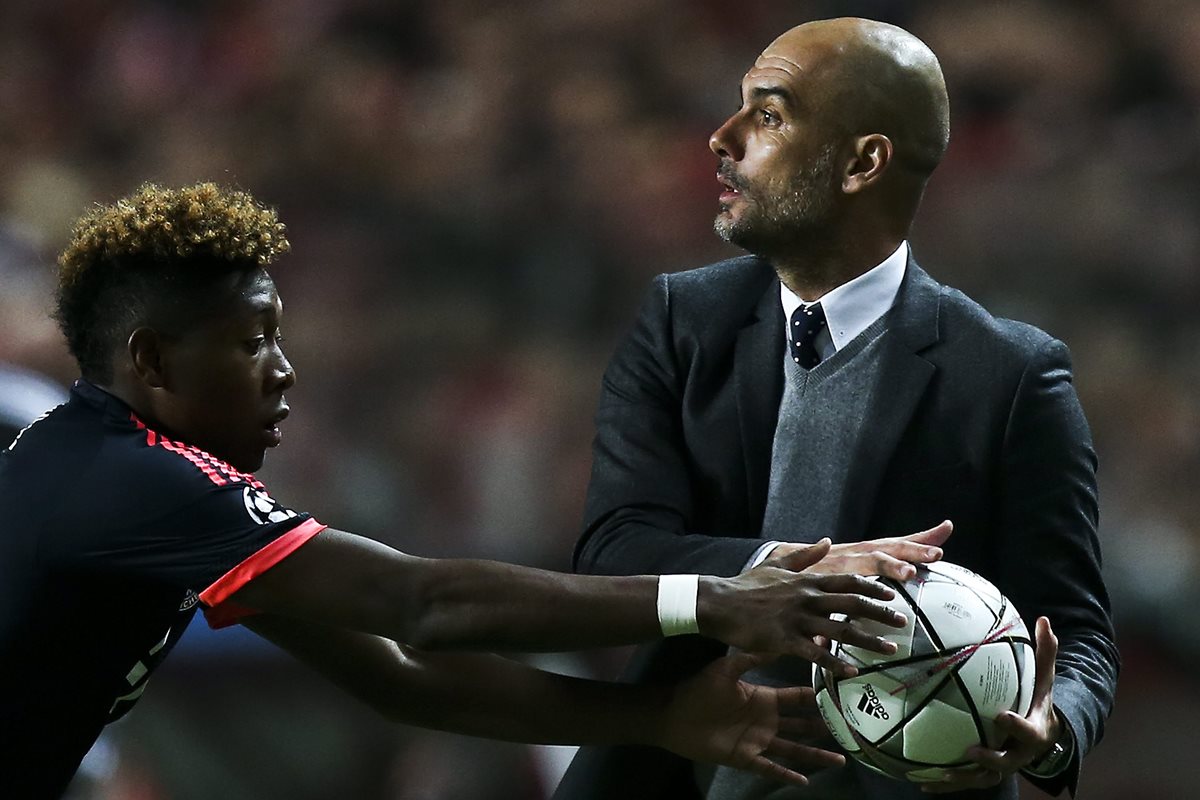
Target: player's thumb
805, 556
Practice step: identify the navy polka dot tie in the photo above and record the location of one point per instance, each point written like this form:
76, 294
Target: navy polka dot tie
805, 324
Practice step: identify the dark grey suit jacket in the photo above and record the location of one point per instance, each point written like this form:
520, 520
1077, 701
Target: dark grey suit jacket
975, 420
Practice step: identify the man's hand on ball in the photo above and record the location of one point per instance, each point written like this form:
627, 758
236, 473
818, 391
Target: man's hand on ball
715, 717
779, 609
892, 557
1027, 738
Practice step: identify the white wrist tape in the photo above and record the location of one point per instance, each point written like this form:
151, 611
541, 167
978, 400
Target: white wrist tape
677, 604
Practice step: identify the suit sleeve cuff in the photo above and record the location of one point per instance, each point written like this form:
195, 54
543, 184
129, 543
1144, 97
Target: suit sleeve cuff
1064, 773
1055, 764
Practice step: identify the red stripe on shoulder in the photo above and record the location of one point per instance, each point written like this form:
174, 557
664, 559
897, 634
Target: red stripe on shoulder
213, 468
260, 562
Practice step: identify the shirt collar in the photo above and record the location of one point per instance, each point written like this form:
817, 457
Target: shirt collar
852, 307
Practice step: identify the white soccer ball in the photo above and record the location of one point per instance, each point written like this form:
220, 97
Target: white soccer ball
964, 657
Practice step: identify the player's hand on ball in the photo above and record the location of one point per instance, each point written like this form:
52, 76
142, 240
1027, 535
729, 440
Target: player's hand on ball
779, 609
892, 557
1028, 738
715, 717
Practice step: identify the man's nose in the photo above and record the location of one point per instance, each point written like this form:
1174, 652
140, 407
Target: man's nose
724, 140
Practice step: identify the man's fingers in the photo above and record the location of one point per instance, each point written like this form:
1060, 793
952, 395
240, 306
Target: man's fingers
854, 584
894, 558
937, 535
856, 607
896, 562
805, 557
1017, 728
1002, 761
891, 558
807, 650
767, 768
966, 778
796, 699
811, 757
853, 635
802, 727
898, 569
851, 631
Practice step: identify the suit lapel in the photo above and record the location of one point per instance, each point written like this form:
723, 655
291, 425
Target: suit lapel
903, 378
758, 365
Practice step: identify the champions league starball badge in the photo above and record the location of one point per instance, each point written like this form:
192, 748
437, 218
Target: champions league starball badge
262, 508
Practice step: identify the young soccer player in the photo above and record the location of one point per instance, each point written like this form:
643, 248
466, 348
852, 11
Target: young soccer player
134, 503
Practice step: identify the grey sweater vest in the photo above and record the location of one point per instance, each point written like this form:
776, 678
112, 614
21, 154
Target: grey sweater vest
821, 417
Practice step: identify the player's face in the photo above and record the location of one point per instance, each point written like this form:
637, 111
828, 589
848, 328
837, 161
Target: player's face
777, 155
227, 375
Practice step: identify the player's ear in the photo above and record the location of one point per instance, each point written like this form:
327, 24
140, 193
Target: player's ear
145, 347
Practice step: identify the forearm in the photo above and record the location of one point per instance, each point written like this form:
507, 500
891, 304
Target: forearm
346, 581
478, 695
490, 606
484, 695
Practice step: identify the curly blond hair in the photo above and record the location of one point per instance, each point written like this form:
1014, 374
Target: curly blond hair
128, 261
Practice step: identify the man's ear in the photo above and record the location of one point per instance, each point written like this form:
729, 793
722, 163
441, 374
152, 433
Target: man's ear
145, 347
872, 156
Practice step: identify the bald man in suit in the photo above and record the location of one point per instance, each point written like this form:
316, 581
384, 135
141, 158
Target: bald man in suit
825, 384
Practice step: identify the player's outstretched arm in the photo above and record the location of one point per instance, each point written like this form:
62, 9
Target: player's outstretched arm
347, 581
712, 717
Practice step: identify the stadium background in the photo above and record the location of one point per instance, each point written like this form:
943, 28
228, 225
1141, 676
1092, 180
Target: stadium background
478, 193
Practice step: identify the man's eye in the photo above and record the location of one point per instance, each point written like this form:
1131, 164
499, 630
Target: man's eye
255, 344
768, 118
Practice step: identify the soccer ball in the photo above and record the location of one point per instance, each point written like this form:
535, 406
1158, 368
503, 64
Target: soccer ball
964, 657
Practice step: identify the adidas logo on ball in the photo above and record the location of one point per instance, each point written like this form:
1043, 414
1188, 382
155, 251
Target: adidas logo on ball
869, 704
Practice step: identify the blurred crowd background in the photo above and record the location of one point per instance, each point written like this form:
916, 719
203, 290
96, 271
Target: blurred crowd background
478, 193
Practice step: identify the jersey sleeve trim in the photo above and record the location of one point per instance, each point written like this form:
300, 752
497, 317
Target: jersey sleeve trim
261, 561
226, 614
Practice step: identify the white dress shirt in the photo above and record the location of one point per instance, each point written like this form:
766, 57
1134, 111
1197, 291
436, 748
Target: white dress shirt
852, 307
